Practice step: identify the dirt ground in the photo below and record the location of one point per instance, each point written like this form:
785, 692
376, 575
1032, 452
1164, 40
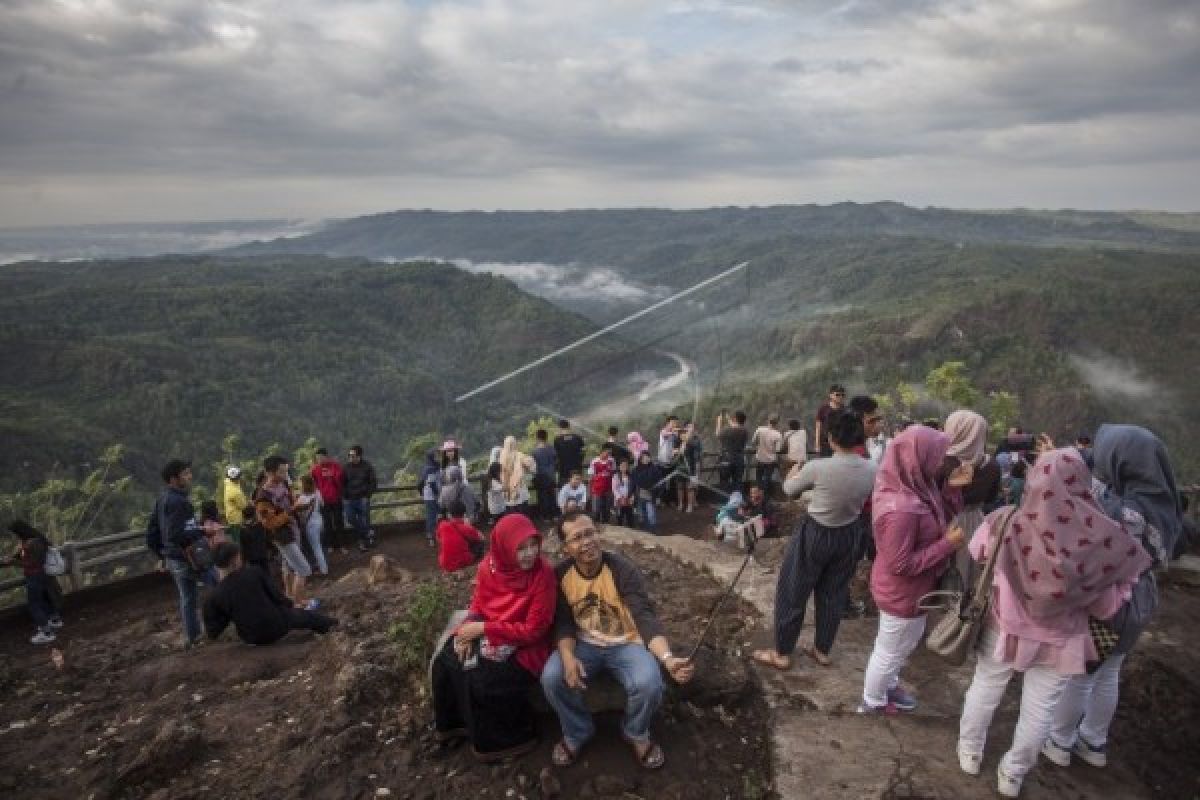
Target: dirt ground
1154, 748
131, 715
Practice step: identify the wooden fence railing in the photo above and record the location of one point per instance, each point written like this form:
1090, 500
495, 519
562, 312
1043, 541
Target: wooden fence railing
88, 559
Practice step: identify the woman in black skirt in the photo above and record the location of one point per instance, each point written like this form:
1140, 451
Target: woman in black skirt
482, 677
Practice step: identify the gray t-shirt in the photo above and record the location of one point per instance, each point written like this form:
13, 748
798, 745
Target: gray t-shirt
841, 485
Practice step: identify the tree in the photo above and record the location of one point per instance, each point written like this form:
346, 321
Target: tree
65, 509
1003, 410
951, 384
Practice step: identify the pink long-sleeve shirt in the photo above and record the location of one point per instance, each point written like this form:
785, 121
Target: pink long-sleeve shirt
912, 552
1062, 643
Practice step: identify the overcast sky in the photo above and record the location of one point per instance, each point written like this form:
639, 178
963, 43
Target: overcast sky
131, 110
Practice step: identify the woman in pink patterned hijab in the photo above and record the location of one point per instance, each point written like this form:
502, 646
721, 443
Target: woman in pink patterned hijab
1062, 561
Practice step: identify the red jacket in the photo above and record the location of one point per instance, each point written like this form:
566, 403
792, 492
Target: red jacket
330, 480
602, 472
453, 552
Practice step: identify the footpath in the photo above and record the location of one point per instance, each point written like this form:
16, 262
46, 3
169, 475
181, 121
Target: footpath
822, 748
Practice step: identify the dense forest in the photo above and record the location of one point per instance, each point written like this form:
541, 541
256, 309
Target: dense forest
169, 355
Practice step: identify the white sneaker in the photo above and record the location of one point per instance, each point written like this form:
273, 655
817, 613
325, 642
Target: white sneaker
1006, 786
55, 622
1094, 756
969, 763
42, 637
1055, 754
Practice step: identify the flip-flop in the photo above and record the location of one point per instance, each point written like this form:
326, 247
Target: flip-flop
819, 657
652, 758
767, 659
562, 755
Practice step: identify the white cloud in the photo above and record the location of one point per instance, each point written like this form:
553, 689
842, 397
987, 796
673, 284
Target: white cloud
568, 283
135, 109
1112, 378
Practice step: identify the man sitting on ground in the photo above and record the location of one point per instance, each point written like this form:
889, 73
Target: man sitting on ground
605, 622
573, 495
249, 599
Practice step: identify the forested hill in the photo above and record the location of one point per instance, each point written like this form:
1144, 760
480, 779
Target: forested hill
647, 239
168, 355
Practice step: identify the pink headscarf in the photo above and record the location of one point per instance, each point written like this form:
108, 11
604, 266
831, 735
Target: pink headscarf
907, 478
1061, 551
637, 445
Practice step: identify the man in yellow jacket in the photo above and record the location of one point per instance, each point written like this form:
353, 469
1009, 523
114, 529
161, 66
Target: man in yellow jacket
235, 501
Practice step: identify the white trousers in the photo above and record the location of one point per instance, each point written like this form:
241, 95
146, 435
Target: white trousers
1088, 704
1040, 693
894, 643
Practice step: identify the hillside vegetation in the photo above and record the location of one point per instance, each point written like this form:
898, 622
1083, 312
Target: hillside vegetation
168, 355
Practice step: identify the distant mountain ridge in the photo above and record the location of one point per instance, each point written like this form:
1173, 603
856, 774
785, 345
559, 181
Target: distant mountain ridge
645, 237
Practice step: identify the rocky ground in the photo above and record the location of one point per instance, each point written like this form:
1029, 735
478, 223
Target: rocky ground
130, 715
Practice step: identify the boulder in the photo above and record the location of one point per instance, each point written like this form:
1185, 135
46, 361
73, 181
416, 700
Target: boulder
383, 570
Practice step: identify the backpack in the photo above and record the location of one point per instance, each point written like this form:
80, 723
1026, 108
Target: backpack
54, 564
198, 554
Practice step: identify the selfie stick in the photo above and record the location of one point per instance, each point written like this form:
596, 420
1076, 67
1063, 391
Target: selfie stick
712, 616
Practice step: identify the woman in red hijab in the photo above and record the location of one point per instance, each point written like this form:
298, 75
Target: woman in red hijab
482, 677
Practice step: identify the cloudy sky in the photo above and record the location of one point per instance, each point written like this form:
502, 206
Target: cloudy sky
137, 110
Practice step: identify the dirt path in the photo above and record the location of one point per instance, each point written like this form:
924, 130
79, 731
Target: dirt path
823, 749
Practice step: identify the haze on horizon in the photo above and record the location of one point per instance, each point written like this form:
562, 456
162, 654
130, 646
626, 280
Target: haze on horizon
148, 110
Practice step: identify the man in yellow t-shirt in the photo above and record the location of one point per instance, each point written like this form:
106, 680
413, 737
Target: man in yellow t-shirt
604, 621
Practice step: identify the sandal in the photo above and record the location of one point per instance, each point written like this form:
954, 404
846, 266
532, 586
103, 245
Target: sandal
769, 658
819, 657
650, 758
562, 755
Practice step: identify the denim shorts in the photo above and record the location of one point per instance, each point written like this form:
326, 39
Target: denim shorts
294, 560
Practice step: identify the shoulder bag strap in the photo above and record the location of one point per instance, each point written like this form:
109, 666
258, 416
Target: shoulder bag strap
983, 584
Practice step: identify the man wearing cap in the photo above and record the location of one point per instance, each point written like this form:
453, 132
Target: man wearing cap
171, 528
330, 480
235, 501
836, 402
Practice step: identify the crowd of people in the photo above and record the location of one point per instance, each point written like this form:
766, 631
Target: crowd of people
1071, 537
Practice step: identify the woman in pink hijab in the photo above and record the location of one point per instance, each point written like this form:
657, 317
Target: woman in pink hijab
1061, 561
637, 445
917, 493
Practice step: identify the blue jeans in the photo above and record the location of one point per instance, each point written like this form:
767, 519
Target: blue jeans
358, 516
185, 584
312, 531
432, 512
649, 514
634, 667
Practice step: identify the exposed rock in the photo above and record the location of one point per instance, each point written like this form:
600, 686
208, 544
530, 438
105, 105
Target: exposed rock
384, 570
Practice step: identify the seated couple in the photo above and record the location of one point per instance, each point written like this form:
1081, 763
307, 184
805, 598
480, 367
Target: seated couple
563, 626
738, 514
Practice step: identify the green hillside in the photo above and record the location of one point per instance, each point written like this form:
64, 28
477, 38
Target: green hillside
168, 355
1081, 336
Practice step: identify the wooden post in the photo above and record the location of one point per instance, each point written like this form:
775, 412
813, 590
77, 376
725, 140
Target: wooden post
76, 567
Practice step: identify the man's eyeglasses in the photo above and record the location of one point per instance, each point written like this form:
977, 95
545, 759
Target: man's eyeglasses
583, 536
